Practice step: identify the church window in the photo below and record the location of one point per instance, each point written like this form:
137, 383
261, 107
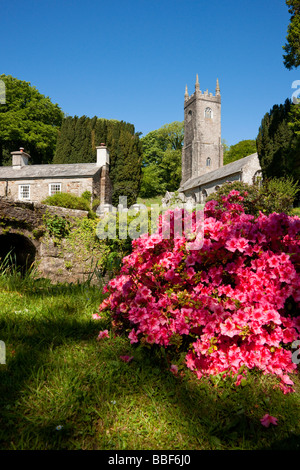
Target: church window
208, 113
208, 161
189, 116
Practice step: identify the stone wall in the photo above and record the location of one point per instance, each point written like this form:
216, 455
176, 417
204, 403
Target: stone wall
57, 260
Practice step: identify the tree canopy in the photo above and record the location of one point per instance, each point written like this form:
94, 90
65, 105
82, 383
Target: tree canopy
291, 58
240, 150
161, 159
27, 119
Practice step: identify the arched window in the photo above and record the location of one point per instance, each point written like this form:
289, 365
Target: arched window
208, 113
208, 161
203, 196
189, 116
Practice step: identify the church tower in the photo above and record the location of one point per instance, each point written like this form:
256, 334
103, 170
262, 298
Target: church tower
202, 149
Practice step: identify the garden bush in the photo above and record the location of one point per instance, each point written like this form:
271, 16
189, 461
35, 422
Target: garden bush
67, 200
229, 307
273, 195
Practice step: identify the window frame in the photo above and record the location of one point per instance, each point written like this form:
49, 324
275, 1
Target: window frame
21, 189
50, 189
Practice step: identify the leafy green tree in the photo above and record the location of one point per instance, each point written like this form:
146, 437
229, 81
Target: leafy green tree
240, 150
291, 58
27, 119
161, 159
225, 146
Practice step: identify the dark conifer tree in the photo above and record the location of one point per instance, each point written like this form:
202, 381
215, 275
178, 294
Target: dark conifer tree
79, 138
276, 142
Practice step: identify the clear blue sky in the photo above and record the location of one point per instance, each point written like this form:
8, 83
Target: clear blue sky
131, 59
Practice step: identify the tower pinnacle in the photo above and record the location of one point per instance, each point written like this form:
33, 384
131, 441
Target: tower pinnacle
217, 87
197, 86
186, 94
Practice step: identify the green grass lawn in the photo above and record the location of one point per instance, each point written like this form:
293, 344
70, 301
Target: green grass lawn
149, 201
296, 211
62, 389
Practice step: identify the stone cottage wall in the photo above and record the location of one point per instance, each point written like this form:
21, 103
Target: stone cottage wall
39, 188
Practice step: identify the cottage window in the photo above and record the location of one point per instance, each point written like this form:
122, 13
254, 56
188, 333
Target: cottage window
24, 191
54, 188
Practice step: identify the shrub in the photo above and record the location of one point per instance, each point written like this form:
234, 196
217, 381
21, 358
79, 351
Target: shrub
57, 227
87, 195
230, 307
274, 195
120, 245
67, 200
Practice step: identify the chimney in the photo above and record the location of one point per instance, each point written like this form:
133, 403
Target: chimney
19, 158
102, 155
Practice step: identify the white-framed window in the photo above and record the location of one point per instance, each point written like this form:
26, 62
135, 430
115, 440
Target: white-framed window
54, 188
24, 191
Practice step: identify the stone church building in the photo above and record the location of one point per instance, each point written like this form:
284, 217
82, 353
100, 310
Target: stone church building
203, 171
25, 182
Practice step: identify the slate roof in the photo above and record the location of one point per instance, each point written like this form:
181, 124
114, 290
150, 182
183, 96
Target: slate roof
220, 173
66, 170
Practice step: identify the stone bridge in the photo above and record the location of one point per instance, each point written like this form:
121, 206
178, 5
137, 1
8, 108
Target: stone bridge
22, 233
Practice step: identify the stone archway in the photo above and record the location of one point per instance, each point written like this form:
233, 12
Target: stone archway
18, 250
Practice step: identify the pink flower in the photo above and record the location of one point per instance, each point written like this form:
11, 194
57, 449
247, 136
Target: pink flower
103, 334
133, 337
287, 380
228, 328
241, 244
267, 420
174, 369
95, 316
126, 358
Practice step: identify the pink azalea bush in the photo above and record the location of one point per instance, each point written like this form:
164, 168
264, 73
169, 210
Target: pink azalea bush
234, 302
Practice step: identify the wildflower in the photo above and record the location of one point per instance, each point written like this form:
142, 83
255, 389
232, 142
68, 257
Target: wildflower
174, 369
95, 316
126, 358
267, 420
59, 427
133, 336
103, 334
